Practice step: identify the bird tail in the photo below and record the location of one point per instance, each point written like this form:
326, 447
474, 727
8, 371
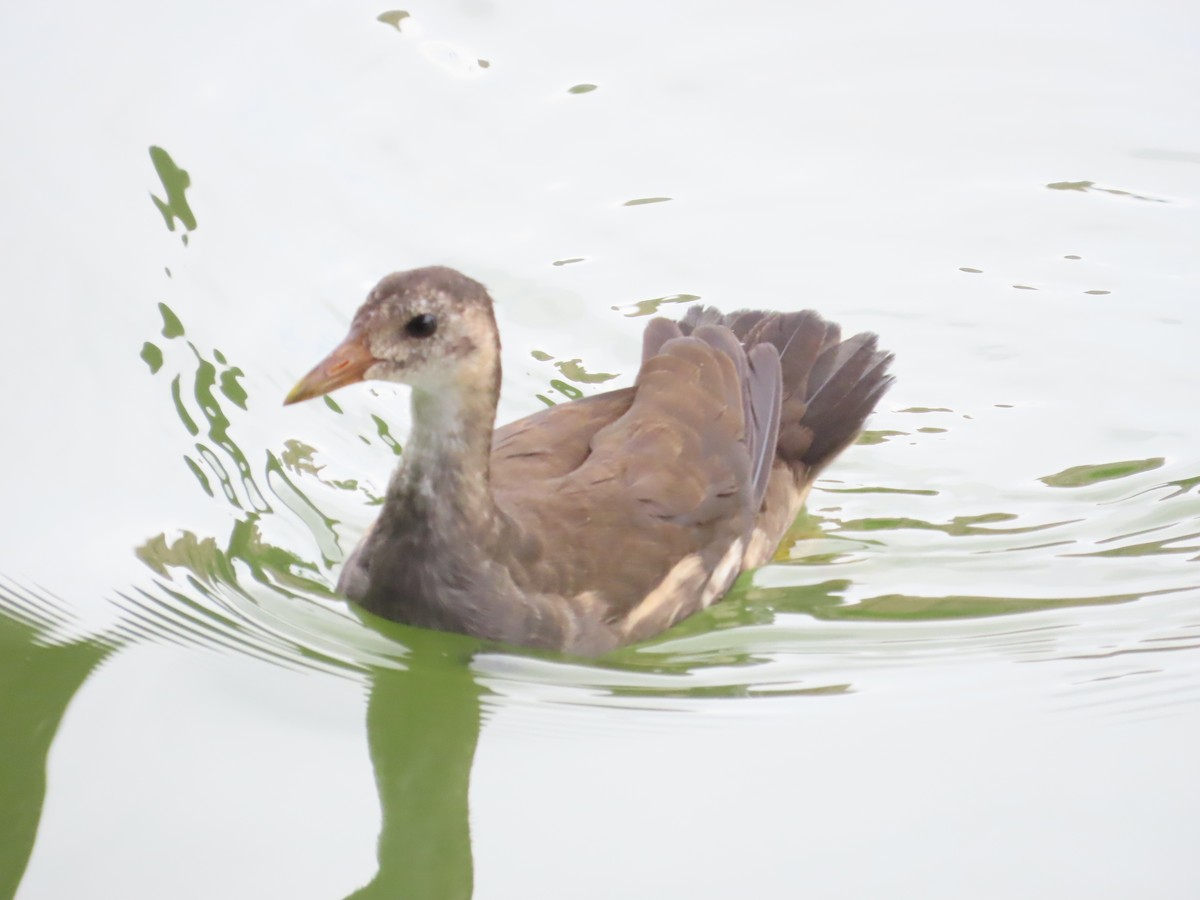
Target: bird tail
830, 385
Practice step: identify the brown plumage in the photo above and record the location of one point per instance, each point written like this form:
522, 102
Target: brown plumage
604, 521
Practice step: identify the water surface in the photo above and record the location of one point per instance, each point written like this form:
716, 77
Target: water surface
972, 668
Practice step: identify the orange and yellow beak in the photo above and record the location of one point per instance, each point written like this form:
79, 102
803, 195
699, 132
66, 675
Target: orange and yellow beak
347, 364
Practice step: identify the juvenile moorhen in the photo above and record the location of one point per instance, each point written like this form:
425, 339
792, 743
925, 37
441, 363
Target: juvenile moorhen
604, 521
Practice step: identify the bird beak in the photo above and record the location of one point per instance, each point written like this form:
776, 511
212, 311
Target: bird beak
347, 364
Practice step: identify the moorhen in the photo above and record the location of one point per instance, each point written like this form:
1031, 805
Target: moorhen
603, 521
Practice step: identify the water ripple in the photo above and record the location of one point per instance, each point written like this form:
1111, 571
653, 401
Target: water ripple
849, 598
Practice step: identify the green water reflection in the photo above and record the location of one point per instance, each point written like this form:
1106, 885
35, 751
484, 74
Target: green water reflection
37, 682
651, 307
423, 727
175, 182
393, 17
1084, 187
1082, 476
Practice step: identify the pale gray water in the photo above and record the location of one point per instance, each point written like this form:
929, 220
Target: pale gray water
974, 673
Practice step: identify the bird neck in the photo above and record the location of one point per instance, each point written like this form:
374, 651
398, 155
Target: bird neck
445, 477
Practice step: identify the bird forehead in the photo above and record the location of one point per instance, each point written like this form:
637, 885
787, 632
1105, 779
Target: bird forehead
382, 306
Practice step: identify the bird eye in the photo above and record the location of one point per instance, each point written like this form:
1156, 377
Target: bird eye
421, 326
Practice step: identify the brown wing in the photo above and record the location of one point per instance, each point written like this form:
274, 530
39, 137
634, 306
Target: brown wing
635, 505
668, 478
553, 442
